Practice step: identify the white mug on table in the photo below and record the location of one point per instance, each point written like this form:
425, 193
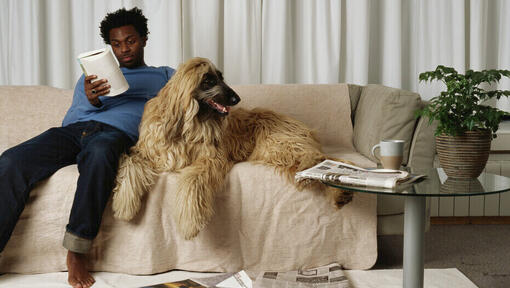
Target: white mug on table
392, 153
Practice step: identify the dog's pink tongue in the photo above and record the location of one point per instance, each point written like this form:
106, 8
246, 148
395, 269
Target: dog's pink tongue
219, 107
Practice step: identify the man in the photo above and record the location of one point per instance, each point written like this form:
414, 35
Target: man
96, 130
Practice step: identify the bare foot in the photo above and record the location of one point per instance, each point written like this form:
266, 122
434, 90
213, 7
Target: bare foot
78, 275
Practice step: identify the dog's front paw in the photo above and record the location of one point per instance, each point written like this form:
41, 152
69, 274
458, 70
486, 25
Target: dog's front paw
125, 206
194, 205
339, 197
190, 231
135, 177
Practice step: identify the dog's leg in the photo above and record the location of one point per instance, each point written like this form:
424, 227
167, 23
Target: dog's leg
292, 155
194, 199
335, 196
135, 177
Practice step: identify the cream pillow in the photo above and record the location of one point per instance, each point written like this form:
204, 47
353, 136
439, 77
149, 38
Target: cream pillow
384, 113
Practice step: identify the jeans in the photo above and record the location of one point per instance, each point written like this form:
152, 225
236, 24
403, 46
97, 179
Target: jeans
94, 146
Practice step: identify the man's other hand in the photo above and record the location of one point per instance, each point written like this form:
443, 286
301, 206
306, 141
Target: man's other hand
95, 89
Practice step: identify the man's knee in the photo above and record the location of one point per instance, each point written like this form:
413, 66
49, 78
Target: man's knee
100, 155
10, 160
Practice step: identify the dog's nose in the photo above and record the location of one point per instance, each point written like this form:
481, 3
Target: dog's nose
234, 99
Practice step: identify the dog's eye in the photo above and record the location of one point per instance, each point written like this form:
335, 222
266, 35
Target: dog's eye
209, 81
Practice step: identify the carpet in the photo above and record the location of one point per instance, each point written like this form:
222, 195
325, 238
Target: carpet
390, 278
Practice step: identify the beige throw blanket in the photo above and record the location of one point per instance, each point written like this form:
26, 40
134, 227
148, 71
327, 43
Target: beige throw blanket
261, 222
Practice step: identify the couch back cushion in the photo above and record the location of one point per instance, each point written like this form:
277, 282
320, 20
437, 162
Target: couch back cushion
28, 111
325, 108
384, 113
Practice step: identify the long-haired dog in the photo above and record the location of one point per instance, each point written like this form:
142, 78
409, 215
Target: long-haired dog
189, 128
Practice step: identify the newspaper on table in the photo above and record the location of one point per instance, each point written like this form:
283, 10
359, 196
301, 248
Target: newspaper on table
339, 172
330, 276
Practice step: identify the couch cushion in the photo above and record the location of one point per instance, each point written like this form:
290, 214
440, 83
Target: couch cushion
27, 111
384, 113
349, 155
324, 108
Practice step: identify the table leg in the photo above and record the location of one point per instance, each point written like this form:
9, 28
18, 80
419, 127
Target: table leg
414, 233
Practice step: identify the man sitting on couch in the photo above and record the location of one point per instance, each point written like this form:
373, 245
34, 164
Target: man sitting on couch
95, 131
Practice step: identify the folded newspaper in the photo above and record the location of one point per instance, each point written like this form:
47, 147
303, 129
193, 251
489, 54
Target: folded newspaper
343, 173
225, 280
330, 276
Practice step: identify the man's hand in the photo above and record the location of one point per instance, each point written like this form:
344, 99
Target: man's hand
95, 89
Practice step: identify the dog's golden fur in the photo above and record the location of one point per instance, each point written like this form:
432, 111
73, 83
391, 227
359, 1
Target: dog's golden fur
202, 148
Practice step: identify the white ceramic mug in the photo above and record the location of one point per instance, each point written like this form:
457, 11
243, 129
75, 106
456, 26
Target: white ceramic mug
392, 153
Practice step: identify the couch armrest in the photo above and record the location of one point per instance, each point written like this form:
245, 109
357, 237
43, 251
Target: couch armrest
423, 145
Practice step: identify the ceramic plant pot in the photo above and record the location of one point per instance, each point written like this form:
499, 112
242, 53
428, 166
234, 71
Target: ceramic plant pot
464, 156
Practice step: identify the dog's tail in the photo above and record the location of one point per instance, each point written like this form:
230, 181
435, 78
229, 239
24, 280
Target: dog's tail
134, 179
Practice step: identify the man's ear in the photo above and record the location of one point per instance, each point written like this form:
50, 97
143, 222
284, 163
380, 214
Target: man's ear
144, 40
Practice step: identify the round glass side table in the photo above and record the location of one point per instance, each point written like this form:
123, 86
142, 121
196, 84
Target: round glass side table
436, 184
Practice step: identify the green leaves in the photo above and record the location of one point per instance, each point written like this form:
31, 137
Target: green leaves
459, 108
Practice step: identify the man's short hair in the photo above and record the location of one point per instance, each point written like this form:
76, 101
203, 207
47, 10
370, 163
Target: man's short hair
123, 17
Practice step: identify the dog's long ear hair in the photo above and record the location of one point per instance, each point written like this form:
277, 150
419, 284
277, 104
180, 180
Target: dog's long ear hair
175, 106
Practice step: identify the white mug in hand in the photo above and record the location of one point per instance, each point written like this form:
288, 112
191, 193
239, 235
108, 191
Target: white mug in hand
392, 153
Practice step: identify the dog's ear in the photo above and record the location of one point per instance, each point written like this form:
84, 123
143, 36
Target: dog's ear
176, 103
189, 114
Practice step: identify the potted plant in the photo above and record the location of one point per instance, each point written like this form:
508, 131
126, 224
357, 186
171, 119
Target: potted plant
465, 126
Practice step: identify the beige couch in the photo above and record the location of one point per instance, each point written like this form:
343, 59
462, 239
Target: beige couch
261, 222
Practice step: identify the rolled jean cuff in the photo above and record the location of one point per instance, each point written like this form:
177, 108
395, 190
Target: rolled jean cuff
76, 244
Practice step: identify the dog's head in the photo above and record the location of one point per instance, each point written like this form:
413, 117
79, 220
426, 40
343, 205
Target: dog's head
213, 94
207, 87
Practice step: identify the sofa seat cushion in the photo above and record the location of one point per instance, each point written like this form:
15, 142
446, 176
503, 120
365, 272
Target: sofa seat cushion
255, 215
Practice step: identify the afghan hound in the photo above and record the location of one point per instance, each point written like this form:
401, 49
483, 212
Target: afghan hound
189, 128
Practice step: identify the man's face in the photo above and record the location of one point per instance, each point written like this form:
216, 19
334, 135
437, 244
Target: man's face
127, 46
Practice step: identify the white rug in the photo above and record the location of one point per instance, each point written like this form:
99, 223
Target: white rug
434, 278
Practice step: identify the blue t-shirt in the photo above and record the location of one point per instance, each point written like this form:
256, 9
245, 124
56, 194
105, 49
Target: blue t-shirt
123, 111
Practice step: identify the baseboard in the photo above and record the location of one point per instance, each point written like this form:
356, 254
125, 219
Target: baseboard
470, 220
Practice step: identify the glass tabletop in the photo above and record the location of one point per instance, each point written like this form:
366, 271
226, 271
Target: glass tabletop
436, 183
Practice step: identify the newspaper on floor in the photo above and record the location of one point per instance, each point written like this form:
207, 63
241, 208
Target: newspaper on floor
339, 172
330, 276
227, 280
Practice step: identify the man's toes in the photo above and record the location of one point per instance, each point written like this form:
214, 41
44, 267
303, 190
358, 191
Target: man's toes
75, 283
88, 282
